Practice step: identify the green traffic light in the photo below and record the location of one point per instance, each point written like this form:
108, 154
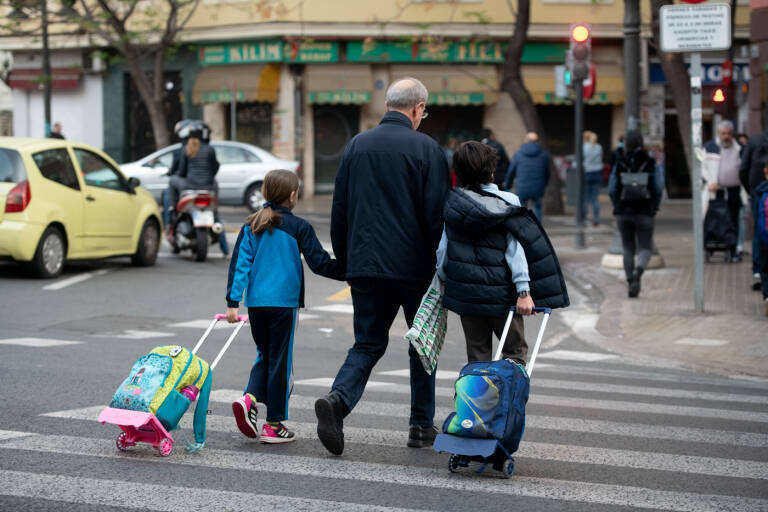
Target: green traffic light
567, 77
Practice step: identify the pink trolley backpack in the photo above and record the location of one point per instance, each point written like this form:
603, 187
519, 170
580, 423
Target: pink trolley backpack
158, 391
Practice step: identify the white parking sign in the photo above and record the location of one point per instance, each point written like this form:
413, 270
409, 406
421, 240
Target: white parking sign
695, 28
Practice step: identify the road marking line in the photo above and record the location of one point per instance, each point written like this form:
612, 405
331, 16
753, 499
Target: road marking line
440, 374
533, 422
341, 295
576, 355
402, 410
203, 324
701, 342
115, 493
131, 334
336, 308
37, 342
13, 434
326, 382
69, 281
435, 478
306, 316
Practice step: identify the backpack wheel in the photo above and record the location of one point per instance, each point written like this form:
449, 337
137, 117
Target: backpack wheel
453, 463
122, 443
165, 447
509, 468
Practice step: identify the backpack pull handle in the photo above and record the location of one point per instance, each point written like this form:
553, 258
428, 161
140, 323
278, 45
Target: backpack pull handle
529, 366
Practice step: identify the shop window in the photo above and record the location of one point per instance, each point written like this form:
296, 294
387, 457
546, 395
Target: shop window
460, 123
254, 124
56, 165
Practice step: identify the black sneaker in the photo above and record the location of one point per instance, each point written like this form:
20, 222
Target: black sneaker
330, 423
421, 437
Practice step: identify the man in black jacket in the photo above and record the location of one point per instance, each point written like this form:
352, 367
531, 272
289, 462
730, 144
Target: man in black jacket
386, 225
753, 161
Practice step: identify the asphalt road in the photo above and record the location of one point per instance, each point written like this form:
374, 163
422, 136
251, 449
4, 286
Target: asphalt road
604, 432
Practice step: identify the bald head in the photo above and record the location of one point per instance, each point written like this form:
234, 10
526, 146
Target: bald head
531, 137
406, 93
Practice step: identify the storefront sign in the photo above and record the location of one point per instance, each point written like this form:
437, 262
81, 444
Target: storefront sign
222, 96
457, 98
491, 52
355, 97
241, 53
712, 73
327, 51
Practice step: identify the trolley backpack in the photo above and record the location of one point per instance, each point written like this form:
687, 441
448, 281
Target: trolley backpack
159, 390
719, 231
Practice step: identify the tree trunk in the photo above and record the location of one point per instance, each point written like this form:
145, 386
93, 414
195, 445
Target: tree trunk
512, 84
151, 92
678, 79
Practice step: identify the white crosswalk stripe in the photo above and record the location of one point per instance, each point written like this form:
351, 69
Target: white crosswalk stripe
726, 452
587, 492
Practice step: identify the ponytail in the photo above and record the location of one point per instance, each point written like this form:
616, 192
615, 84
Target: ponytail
277, 189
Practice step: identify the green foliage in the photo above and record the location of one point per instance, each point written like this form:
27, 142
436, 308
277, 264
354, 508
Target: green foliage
479, 16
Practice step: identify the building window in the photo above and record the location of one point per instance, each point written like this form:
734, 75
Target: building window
254, 124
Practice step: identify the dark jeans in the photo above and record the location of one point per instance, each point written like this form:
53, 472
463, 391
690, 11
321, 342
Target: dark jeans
376, 303
536, 204
592, 182
479, 332
640, 228
755, 237
272, 330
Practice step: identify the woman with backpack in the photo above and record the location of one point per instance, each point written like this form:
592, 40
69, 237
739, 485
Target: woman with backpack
635, 188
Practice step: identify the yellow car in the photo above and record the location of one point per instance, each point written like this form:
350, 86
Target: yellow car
63, 200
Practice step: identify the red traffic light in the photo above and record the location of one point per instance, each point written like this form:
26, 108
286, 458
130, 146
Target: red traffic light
579, 33
719, 96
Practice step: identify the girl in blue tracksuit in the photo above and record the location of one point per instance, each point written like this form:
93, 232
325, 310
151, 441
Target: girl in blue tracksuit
266, 266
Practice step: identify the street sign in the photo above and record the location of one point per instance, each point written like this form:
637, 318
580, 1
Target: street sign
695, 28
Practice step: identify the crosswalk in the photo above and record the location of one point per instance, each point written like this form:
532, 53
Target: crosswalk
602, 435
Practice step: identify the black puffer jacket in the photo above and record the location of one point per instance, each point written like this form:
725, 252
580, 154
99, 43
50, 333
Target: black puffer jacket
478, 279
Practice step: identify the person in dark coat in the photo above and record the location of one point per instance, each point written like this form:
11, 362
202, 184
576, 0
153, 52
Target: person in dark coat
386, 224
483, 263
530, 167
488, 138
635, 207
751, 175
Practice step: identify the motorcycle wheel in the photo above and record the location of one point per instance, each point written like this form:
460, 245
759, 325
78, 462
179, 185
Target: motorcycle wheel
201, 244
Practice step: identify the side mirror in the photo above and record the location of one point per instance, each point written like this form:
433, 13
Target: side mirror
132, 184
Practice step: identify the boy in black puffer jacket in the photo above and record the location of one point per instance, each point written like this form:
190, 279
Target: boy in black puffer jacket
493, 254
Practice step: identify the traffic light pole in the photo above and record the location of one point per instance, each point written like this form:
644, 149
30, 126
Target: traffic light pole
697, 184
578, 128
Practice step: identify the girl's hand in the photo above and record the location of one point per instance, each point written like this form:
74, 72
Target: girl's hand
232, 315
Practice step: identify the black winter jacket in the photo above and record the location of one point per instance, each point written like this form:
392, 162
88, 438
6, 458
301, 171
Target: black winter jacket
478, 280
637, 161
753, 160
386, 220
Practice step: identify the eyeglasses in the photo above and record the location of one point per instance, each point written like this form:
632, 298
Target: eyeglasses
425, 113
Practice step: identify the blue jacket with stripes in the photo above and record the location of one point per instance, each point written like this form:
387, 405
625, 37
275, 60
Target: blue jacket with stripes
267, 266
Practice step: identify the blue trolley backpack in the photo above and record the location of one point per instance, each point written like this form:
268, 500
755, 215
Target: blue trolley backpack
489, 417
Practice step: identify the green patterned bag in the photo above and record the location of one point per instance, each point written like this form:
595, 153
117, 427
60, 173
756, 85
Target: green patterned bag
429, 325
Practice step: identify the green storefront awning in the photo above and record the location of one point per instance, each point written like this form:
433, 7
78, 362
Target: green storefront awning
339, 83
489, 52
455, 85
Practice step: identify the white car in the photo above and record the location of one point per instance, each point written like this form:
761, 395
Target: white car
240, 176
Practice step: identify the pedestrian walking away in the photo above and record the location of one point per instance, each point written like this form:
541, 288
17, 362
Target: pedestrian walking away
56, 132
530, 169
721, 173
488, 138
751, 175
761, 222
635, 188
593, 177
482, 261
266, 266
386, 223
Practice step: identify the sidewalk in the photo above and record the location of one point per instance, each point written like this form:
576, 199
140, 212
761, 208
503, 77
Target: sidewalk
730, 338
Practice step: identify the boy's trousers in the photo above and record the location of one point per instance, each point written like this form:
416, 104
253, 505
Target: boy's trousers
479, 331
270, 382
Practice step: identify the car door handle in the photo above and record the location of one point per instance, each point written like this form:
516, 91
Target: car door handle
90, 198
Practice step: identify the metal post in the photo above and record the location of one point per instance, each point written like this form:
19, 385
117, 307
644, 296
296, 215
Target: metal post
696, 184
578, 128
632, 63
46, 69
233, 113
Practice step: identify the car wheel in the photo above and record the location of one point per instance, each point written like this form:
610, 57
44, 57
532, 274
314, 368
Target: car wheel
253, 197
149, 244
50, 255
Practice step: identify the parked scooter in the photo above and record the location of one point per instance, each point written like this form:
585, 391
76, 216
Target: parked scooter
195, 226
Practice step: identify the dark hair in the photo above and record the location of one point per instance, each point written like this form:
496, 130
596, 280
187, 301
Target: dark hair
486, 133
474, 163
633, 141
277, 188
